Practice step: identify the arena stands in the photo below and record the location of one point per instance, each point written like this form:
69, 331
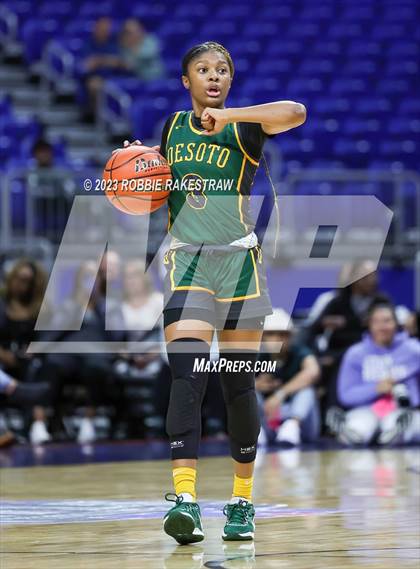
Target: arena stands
355, 66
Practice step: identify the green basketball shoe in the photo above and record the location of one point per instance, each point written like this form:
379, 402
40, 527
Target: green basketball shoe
183, 521
240, 524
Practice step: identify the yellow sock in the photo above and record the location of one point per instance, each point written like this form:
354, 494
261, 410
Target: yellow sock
184, 480
242, 487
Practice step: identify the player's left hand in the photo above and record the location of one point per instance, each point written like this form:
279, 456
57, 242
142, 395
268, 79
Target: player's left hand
213, 120
272, 404
127, 143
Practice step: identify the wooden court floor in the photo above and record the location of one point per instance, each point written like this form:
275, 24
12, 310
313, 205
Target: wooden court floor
315, 510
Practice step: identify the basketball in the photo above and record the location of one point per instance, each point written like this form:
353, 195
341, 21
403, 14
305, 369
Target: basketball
135, 180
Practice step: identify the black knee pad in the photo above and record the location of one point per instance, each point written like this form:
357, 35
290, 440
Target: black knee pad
183, 420
242, 406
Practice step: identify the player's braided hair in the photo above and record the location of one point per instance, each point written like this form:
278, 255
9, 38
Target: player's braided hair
202, 48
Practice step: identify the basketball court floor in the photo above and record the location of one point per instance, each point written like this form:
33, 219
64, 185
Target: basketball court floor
315, 509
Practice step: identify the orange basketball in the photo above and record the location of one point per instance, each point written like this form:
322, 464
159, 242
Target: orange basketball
136, 179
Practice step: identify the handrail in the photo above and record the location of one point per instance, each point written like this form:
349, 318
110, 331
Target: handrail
65, 56
11, 21
105, 114
400, 247
347, 175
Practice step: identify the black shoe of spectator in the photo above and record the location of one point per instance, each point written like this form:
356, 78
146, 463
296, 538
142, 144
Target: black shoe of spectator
335, 420
29, 394
396, 434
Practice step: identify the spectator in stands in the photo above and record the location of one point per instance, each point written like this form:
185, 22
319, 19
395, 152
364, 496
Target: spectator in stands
20, 302
142, 308
19, 393
409, 321
86, 305
325, 297
109, 281
101, 51
101, 58
15, 393
43, 153
288, 394
142, 305
379, 384
140, 51
343, 320
142, 312
51, 189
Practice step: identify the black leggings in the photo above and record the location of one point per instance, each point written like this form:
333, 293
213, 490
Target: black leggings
176, 314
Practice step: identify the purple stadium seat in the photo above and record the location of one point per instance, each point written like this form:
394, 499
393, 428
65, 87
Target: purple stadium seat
362, 48
346, 146
358, 13
23, 10
359, 67
354, 64
373, 105
235, 12
403, 48
5, 107
146, 114
35, 34
327, 48
404, 126
59, 11
218, 31
410, 105
360, 126
347, 85
409, 67
302, 31
262, 30
408, 147
96, 9
332, 106
284, 48
401, 13
318, 12
388, 31
343, 29
276, 68
7, 145
322, 66
393, 86
305, 86
18, 129
278, 11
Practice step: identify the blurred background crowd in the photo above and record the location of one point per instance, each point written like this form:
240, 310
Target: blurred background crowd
77, 77
349, 369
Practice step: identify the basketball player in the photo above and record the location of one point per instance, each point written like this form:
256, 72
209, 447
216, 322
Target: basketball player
215, 279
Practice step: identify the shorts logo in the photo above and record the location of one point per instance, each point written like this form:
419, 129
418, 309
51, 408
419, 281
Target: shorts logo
177, 444
247, 450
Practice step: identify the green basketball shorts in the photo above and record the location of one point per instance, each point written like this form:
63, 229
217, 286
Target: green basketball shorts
231, 283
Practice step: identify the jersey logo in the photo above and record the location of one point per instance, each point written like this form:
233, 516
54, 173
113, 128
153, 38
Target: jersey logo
195, 197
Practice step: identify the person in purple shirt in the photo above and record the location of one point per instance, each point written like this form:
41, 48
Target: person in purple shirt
379, 385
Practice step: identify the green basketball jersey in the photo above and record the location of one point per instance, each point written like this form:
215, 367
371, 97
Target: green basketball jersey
212, 179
